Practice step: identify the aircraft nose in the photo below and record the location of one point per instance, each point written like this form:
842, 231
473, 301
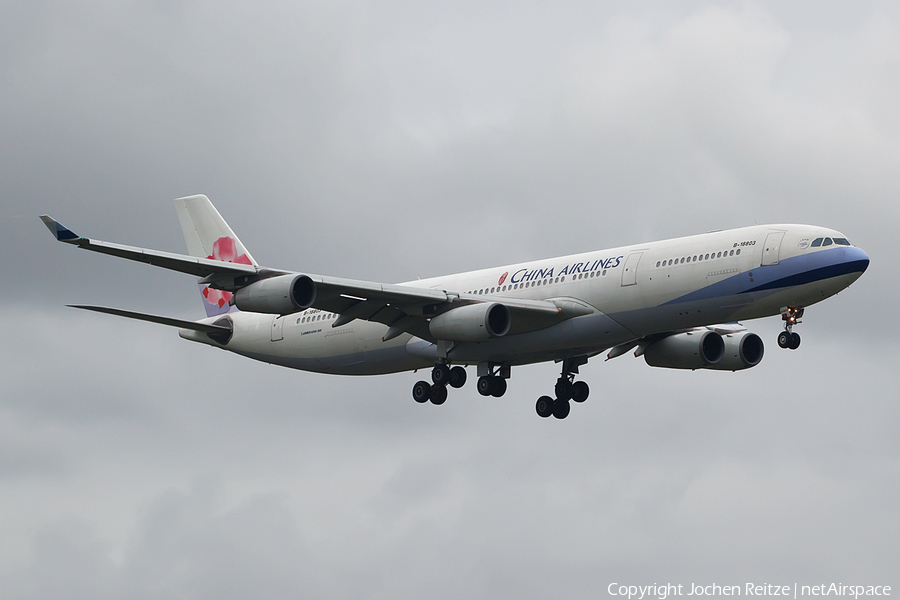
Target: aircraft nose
856, 257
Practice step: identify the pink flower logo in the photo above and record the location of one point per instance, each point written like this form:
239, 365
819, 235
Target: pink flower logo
502, 278
224, 249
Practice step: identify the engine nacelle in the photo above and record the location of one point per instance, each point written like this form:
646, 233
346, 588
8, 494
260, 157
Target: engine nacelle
742, 351
691, 350
280, 295
471, 323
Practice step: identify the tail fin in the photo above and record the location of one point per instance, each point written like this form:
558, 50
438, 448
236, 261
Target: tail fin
207, 235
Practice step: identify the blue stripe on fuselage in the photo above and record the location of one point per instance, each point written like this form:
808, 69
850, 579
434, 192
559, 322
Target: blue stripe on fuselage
797, 270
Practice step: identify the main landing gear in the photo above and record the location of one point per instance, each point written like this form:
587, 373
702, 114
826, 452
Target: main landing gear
492, 383
787, 338
566, 389
441, 376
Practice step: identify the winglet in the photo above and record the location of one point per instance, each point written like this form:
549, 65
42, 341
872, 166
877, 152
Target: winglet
62, 233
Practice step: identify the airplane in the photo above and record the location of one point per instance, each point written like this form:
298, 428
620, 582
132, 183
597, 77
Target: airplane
676, 302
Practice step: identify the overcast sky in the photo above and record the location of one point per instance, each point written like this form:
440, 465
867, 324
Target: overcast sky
392, 140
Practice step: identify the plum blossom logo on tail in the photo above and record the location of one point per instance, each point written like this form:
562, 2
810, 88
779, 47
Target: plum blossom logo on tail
224, 249
503, 278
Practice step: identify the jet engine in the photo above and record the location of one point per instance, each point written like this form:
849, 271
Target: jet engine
280, 295
471, 323
691, 350
742, 351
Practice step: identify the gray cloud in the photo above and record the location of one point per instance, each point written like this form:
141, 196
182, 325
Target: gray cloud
400, 140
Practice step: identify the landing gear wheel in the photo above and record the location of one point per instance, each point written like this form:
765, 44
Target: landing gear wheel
544, 406
795, 341
485, 385
438, 394
421, 391
499, 387
785, 338
561, 409
580, 391
440, 374
457, 377
563, 389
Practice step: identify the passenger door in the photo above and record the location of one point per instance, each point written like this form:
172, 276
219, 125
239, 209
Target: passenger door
772, 248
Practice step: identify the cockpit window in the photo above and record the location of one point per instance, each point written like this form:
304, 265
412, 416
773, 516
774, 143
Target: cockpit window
816, 243
841, 241
827, 242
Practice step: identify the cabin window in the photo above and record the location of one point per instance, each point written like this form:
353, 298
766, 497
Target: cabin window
738, 251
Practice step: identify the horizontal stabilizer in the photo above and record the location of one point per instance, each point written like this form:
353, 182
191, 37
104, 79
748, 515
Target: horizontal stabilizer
181, 323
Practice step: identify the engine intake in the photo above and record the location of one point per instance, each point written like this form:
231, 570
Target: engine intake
742, 351
280, 295
472, 323
691, 350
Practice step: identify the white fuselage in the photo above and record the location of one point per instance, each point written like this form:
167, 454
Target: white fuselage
626, 293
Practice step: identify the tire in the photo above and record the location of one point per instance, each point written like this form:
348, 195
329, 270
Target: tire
561, 409
544, 406
440, 374
457, 377
438, 394
499, 387
784, 339
795, 341
485, 385
580, 391
563, 389
421, 392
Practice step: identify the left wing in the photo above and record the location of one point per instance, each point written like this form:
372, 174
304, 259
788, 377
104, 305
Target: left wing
402, 308
201, 267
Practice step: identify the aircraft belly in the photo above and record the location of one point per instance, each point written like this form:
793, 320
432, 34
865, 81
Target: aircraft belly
684, 314
580, 335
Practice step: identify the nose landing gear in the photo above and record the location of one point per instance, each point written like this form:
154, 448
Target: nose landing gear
787, 338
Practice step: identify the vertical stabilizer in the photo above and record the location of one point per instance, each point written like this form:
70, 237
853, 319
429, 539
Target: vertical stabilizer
207, 235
